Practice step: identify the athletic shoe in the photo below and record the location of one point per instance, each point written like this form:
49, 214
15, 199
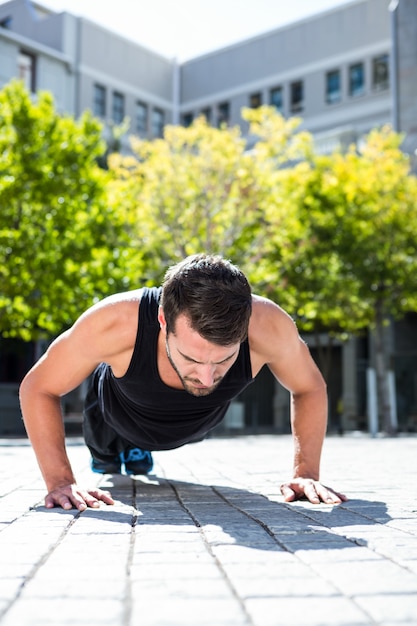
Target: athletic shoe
112, 466
136, 461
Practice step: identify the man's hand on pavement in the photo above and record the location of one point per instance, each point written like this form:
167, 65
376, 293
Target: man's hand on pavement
313, 490
69, 496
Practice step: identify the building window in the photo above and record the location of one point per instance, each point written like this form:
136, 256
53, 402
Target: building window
6, 22
356, 79
276, 98
157, 123
141, 118
333, 87
187, 119
99, 103
297, 96
380, 72
255, 100
223, 114
118, 108
27, 70
207, 114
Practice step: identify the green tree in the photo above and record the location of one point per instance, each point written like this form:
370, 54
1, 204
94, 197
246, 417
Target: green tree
200, 189
331, 238
376, 236
350, 261
307, 265
59, 240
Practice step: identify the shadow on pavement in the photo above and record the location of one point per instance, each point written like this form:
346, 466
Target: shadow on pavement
229, 516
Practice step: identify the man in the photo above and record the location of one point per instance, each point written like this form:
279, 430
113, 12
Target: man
167, 362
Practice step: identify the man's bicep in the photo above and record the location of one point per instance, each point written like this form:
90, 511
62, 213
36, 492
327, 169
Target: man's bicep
67, 362
295, 368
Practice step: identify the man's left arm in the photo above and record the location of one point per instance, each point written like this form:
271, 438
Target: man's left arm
308, 423
274, 337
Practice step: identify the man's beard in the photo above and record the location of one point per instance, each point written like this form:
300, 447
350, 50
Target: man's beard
194, 391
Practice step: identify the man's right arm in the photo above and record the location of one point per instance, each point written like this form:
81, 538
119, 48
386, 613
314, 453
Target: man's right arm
67, 362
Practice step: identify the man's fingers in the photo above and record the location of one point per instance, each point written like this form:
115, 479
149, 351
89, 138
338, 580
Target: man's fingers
93, 497
104, 496
52, 501
313, 490
70, 496
331, 497
288, 493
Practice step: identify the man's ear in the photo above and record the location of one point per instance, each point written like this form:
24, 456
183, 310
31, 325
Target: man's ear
161, 319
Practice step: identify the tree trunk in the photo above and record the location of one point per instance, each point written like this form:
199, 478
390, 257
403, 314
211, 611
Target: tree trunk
381, 370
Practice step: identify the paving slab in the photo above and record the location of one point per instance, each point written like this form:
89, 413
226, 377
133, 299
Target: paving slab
207, 539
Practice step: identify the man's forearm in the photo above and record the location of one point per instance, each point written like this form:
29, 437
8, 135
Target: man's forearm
309, 423
42, 416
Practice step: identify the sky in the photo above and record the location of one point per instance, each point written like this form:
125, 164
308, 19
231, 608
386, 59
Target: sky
187, 28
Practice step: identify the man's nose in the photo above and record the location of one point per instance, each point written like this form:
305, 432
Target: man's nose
206, 374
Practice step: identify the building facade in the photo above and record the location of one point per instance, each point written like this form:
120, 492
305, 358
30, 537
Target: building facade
343, 72
86, 66
332, 70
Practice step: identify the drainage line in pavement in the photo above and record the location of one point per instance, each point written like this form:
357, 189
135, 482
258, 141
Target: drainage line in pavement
271, 534
210, 551
44, 558
128, 603
258, 521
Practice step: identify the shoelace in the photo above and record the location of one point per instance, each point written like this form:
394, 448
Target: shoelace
136, 454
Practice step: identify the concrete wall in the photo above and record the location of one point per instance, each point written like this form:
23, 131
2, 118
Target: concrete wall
73, 54
8, 59
120, 65
405, 36
53, 72
303, 51
38, 24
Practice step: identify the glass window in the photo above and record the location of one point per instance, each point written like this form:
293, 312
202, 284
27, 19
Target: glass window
118, 107
356, 79
157, 123
380, 72
276, 98
6, 22
223, 113
187, 119
26, 70
297, 96
207, 114
255, 100
333, 87
99, 103
141, 118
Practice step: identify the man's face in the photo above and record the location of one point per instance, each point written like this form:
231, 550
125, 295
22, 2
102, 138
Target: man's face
199, 364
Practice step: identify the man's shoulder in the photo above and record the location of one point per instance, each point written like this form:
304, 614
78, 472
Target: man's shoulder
109, 328
121, 298
266, 311
113, 313
133, 296
270, 327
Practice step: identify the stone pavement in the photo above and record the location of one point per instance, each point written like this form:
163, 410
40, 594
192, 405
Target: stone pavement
208, 541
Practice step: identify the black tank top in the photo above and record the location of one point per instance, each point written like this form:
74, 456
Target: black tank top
145, 411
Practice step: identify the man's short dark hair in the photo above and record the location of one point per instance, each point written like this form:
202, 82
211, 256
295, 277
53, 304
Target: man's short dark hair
213, 293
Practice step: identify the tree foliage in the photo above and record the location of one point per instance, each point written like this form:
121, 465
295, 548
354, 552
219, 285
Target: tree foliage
57, 234
331, 238
350, 261
349, 246
200, 189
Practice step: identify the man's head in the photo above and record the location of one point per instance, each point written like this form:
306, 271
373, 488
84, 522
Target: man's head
213, 294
